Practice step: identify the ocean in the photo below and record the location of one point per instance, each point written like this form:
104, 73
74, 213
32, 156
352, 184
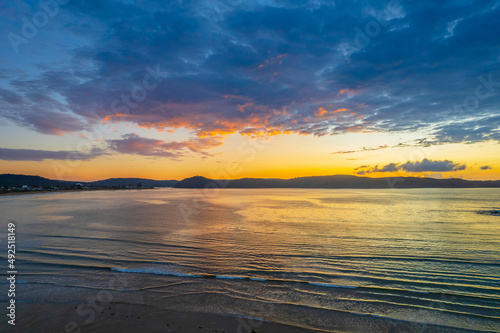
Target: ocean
330, 260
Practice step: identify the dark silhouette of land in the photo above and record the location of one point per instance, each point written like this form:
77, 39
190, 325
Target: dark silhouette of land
23, 182
337, 181
9, 180
12, 184
134, 181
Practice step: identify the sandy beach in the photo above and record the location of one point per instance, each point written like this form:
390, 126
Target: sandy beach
33, 317
120, 317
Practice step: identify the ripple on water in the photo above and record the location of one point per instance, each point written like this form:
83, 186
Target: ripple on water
495, 212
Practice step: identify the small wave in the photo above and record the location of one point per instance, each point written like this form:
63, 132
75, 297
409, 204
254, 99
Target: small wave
494, 212
153, 270
17, 282
164, 271
257, 279
331, 285
230, 277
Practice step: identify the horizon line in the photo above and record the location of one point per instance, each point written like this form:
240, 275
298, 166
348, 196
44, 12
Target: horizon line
266, 178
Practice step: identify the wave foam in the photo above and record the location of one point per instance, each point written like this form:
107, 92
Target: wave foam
164, 271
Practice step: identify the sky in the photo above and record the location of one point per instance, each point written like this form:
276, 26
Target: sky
230, 89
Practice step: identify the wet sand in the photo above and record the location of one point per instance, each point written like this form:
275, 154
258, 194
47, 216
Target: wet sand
131, 318
63, 317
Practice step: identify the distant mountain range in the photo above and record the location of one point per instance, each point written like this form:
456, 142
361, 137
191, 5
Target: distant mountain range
134, 181
337, 181
20, 180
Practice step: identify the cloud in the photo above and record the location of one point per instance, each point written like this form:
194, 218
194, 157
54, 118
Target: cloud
486, 167
429, 165
434, 175
425, 165
259, 67
8, 154
360, 150
323, 113
135, 144
128, 144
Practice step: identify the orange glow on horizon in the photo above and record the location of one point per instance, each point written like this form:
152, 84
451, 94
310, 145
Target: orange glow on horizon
263, 153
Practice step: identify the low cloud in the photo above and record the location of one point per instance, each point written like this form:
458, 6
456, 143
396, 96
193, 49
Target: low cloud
8, 154
429, 165
425, 165
138, 145
486, 167
127, 144
360, 150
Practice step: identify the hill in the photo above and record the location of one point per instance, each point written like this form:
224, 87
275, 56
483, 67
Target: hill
11, 180
133, 181
20, 180
336, 181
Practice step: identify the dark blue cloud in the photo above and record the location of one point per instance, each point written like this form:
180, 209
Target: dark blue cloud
7, 154
233, 66
425, 165
135, 144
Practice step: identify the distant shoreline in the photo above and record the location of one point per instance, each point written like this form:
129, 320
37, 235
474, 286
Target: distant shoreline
5, 194
327, 182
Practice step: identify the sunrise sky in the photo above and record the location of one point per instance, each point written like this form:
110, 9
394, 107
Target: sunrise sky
230, 89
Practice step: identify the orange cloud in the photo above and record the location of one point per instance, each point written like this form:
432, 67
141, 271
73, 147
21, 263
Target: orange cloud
321, 112
261, 133
242, 107
253, 119
112, 117
349, 92
135, 144
274, 60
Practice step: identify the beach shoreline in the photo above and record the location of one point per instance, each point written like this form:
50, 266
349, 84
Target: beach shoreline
117, 317
120, 317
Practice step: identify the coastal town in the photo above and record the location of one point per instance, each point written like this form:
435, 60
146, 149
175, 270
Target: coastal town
73, 187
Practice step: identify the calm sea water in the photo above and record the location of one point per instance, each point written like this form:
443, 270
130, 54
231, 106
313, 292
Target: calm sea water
335, 260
